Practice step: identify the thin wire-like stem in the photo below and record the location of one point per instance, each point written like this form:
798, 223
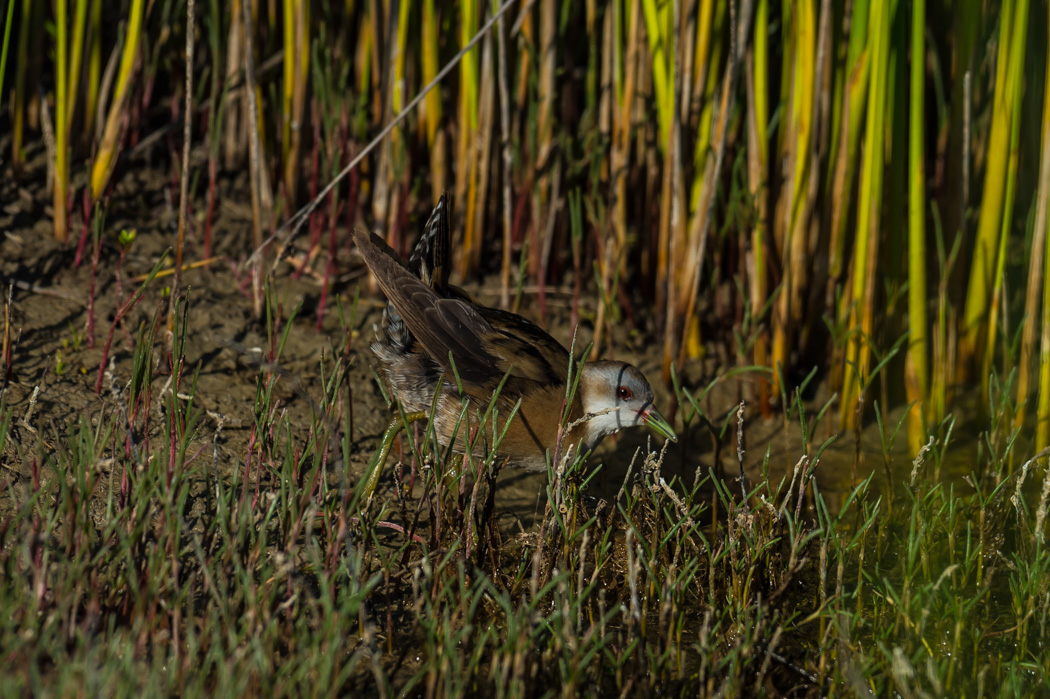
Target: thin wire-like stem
291, 227
184, 176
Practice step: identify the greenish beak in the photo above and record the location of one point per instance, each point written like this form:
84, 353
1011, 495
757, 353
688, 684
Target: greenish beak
656, 422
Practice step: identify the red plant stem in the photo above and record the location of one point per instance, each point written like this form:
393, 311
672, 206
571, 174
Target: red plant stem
329, 267
87, 210
121, 312
625, 305
176, 385
248, 465
96, 253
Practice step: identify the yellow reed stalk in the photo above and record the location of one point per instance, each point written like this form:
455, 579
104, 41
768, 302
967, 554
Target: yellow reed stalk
397, 96
797, 152
296, 37
468, 120
917, 369
287, 88
481, 162
432, 102
662, 45
363, 57
661, 48
105, 159
709, 29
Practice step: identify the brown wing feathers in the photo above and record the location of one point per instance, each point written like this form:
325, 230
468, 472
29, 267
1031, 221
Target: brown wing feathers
440, 325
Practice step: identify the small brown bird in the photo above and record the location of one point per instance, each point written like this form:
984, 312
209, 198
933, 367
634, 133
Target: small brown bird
435, 339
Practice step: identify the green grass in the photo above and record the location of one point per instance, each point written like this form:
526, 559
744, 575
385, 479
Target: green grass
132, 562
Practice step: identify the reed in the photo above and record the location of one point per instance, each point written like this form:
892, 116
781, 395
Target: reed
432, 111
296, 37
109, 145
5, 46
61, 166
861, 298
758, 177
28, 22
467, 122
1037, 280
978, 330
917, 379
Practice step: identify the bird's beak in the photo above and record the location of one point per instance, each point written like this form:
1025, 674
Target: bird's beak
656, 422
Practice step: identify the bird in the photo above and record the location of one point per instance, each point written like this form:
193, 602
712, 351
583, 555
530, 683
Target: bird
439, 350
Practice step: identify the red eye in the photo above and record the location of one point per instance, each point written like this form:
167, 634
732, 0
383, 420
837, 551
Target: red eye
625, 393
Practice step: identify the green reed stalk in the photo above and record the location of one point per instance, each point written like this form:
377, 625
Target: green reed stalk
481, 155
865, 257
917, 370
75, 59
6, 44
61, 113
94, 68
981, 281
18, 100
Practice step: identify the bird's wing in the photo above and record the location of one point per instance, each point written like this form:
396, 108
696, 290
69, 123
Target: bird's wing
534, 354
430, 258
443, 326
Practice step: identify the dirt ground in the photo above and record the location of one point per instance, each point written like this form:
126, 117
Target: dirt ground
54, 358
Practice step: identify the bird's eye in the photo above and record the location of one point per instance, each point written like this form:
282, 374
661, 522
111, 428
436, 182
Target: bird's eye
625, 393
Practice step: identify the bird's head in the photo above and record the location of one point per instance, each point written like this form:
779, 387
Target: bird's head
616, 395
